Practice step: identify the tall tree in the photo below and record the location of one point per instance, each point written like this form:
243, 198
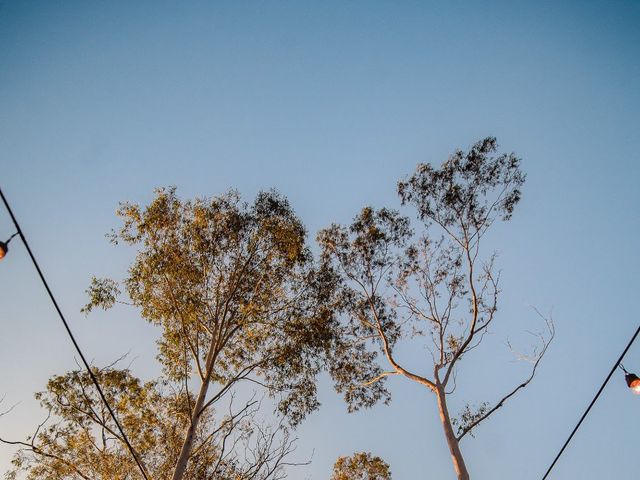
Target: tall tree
233, 287
396, 284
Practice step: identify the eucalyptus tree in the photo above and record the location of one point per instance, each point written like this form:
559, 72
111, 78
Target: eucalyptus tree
398, 285
233, 288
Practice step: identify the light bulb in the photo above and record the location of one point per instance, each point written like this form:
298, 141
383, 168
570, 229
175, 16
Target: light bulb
633, 382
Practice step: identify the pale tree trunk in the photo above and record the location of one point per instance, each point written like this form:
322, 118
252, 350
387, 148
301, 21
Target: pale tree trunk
196, 414
454, 448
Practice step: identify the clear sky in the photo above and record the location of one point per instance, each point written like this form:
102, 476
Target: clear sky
332, 103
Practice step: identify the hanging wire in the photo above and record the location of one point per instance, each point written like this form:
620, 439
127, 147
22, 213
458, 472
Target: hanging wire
616, 365
11, 238
71, 336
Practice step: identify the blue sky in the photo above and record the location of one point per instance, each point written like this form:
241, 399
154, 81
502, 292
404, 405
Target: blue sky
332, 103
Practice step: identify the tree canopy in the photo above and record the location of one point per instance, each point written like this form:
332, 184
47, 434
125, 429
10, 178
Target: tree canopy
234, 275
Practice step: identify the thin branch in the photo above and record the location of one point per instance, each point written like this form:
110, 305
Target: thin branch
536, 361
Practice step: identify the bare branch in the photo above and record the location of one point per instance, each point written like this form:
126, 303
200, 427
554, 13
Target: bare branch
534, 359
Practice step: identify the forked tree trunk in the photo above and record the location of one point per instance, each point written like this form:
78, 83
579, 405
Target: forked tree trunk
196, 414
454, 448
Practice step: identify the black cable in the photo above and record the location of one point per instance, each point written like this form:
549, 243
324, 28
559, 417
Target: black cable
75, 343
613, 369
10, 238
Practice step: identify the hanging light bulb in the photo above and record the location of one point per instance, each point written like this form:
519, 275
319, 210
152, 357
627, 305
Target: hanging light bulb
4, 246
633, 382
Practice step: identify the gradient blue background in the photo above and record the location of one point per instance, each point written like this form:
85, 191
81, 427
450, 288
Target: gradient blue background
331, 103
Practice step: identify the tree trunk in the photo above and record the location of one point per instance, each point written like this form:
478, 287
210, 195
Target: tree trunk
187, 445
454, 448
